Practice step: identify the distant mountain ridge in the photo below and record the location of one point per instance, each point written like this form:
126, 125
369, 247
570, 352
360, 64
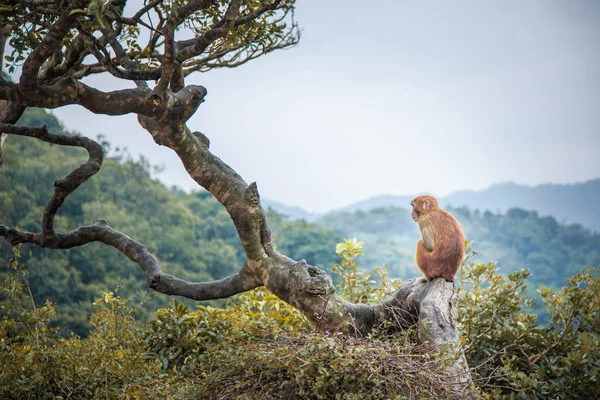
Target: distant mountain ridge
385, 200
293, 212
569, 203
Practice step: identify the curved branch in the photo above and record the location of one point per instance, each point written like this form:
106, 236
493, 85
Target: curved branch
49, 45
66, 92
197, 46
138, 15
62, 188
100, 231
156, 279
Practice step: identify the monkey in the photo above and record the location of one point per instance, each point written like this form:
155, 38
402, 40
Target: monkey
441, 249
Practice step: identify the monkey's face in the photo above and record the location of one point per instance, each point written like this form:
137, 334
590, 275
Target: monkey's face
414, 214
422, 205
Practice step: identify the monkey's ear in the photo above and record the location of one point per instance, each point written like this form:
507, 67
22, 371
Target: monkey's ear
426, 204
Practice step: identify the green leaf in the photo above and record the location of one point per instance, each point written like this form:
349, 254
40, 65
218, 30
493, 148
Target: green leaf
77, 11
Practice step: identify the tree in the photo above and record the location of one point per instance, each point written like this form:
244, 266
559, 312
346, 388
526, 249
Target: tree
62, 42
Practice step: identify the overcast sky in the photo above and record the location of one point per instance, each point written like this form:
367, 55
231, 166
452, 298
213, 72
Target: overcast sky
400, 97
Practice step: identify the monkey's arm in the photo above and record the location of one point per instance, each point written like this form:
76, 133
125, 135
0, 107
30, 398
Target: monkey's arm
422, 250
423, 259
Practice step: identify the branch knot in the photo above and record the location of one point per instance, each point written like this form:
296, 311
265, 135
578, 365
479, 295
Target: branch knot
153, 281
60, 184
253, 197
202, 138
101, 222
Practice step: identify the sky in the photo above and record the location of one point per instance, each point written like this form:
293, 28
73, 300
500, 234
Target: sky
398, 97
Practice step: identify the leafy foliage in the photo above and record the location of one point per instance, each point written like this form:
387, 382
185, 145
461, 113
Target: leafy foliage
257, 347
262, 31
511, 354
260, 347
37, 363
356, 286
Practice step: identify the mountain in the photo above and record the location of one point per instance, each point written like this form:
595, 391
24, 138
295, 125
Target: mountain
571, 203
385, 200
292, 212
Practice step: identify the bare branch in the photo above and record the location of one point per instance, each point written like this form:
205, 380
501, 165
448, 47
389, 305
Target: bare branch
234, 60
168, 59
138, 15
218, 31
252, 16
62, 188
122, 56
49, 45
64, 92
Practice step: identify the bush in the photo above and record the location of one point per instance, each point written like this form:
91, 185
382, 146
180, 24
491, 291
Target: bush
35, 362
260, 347
511, 354
257, 347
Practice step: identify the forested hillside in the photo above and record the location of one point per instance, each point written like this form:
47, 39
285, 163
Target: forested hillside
191, 234
571, 203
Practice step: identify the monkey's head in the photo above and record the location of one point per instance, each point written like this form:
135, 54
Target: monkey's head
422, 205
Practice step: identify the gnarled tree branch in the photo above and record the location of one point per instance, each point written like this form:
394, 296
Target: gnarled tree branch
164, 112
100, 231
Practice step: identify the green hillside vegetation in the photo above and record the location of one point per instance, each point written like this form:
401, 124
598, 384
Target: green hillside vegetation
389, 235
191, 234
522, 239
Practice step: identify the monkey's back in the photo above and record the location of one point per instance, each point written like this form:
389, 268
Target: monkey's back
447, 251
449, 241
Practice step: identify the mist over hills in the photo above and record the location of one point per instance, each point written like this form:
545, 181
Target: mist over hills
570, 203
293, 212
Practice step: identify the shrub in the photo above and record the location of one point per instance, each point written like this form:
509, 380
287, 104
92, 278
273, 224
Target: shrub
260, 347
36, 362
511, 354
